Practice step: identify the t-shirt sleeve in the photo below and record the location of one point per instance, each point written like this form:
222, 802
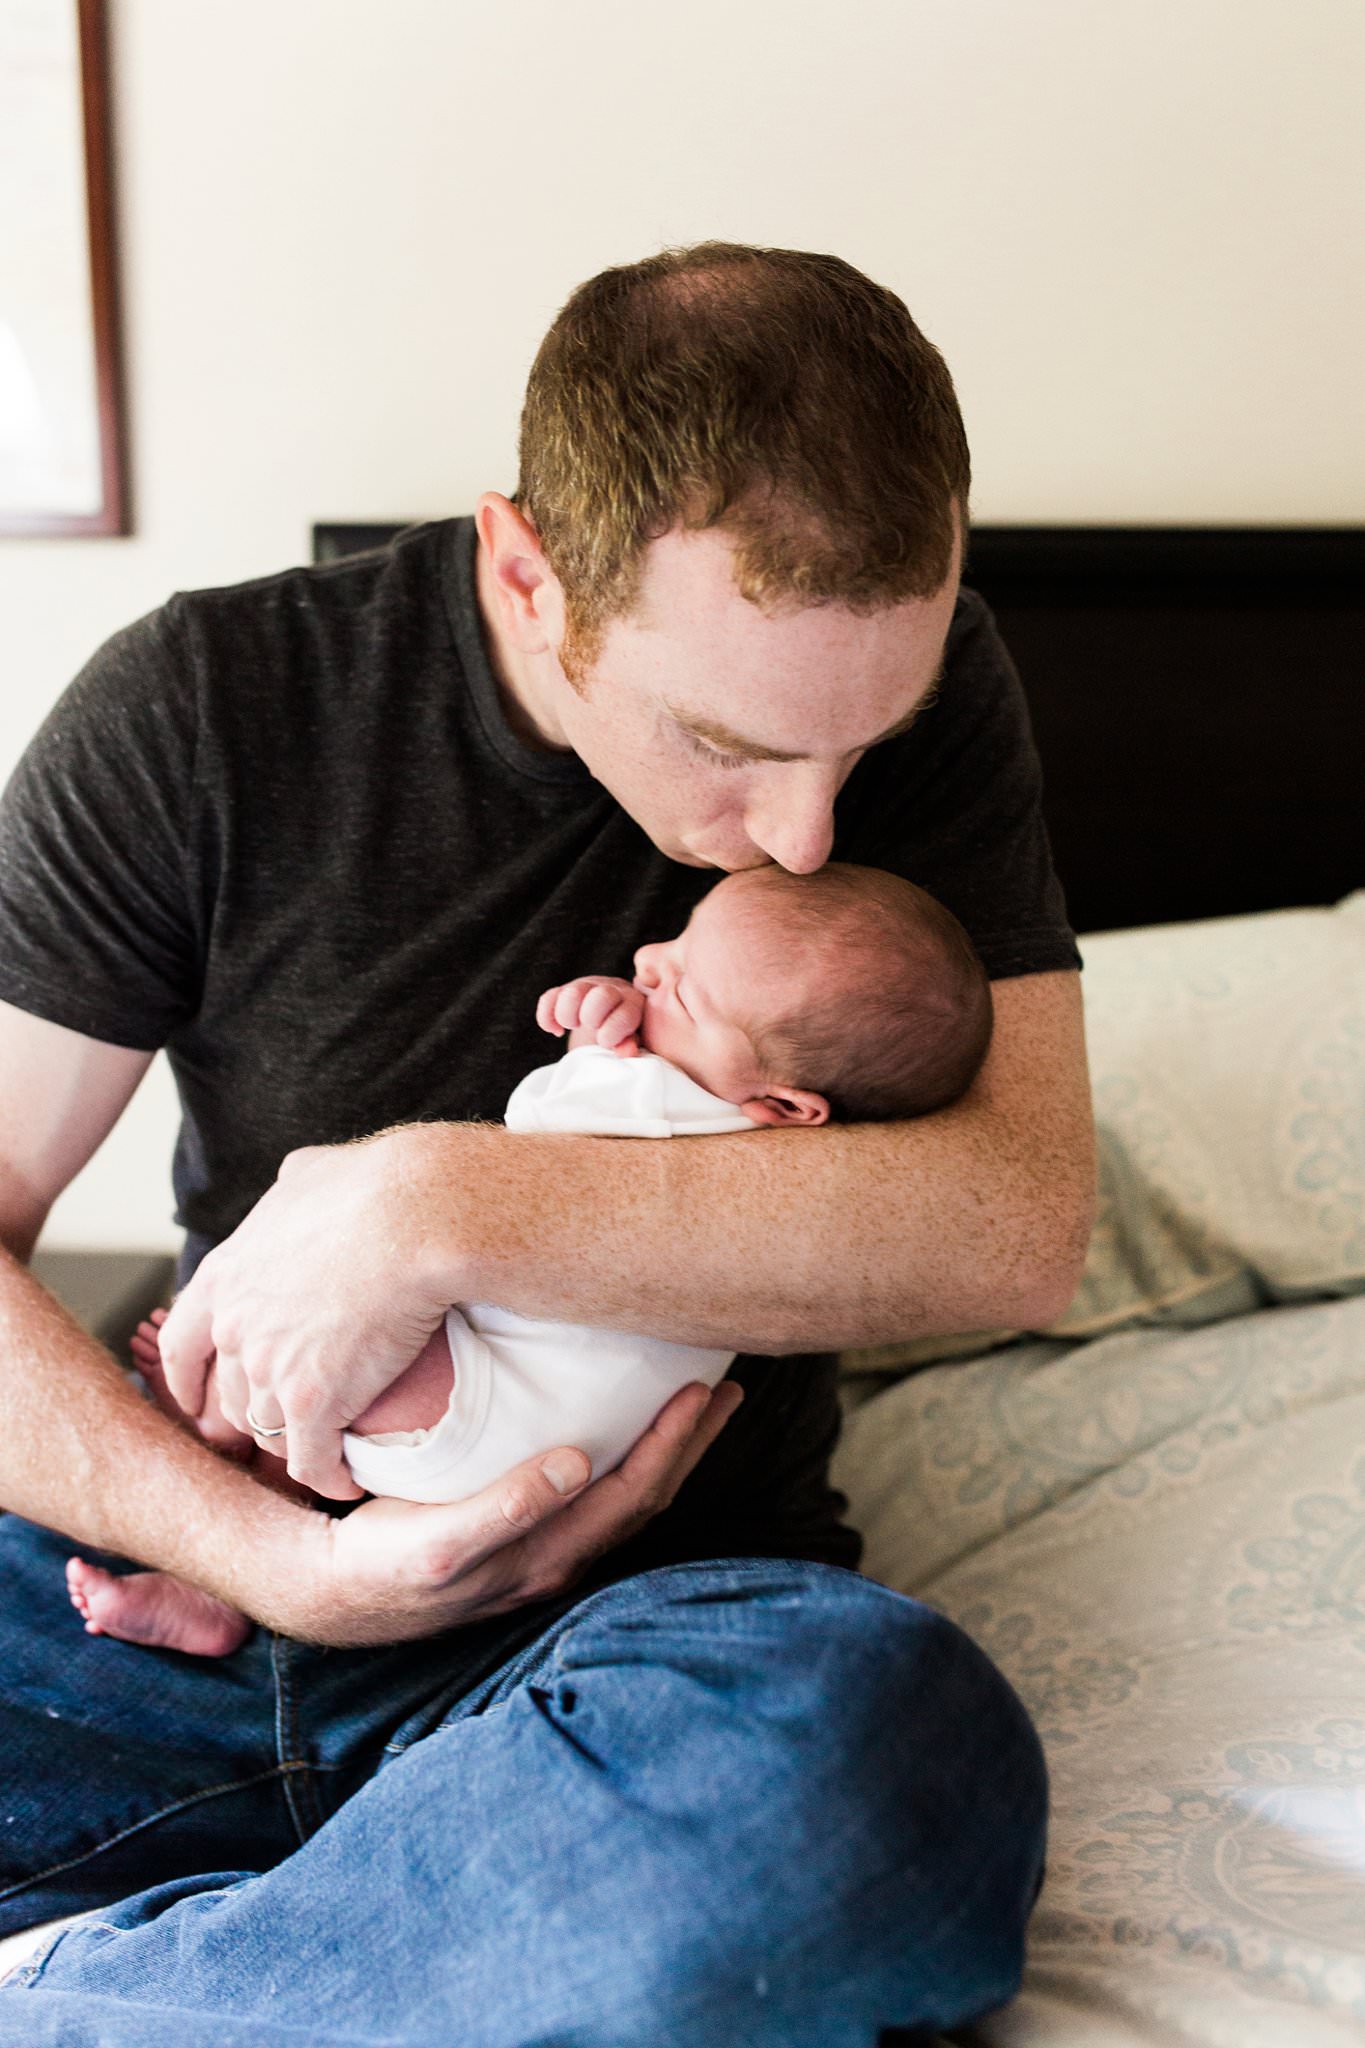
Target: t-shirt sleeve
956, 805
97, 927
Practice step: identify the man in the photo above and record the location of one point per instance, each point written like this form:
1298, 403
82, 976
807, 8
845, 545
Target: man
321, 836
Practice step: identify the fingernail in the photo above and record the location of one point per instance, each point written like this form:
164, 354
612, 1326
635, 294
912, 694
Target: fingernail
565, 1470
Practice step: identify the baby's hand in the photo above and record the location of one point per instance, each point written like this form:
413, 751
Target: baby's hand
606, 1010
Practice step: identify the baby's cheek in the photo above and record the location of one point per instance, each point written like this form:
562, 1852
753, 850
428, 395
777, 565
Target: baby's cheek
659, 1033
700, 1056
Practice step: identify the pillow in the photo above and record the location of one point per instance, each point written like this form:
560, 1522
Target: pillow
1227, 1061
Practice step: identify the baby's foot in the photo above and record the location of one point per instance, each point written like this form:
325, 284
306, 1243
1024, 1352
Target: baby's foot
155, 1609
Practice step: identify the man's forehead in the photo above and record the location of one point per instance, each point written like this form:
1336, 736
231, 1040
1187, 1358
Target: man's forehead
778, 685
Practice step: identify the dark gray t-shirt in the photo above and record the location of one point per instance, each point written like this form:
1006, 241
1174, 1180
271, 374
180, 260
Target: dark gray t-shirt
285, 831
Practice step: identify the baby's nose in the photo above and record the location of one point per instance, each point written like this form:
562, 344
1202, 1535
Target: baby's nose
646, 966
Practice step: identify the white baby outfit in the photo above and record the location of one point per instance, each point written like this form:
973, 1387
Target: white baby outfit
523, 1386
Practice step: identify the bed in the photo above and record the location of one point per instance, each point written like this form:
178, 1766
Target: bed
1153, 1513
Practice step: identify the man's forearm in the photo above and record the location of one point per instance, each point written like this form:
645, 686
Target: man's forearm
81, 1452
974, 1218
783, 1242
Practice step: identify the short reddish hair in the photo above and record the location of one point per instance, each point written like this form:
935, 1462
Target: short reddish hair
777, 394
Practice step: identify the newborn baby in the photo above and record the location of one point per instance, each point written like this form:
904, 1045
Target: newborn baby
786, 999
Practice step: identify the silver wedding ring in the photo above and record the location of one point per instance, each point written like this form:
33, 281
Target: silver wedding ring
259, 1428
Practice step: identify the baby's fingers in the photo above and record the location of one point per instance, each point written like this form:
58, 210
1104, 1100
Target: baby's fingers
597, 1006
618, 1026
568, 1004
545, 1013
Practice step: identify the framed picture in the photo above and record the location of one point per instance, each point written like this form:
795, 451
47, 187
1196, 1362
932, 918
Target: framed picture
61, 435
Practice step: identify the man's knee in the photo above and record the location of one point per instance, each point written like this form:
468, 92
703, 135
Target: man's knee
909, 1734
864, 1726
861, 1789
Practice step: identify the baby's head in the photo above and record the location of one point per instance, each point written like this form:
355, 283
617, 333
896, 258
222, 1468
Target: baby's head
847, 992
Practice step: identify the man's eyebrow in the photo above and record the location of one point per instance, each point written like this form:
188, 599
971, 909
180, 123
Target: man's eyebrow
731, 742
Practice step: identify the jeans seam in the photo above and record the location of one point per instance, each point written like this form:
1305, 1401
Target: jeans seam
299, 1778
24, 1974
150, 1820
526, 1660
740, 1566
538, 1652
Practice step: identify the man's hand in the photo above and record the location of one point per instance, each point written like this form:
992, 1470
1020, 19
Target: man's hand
310, 1309
392, 1570
210, 1423
603, 1006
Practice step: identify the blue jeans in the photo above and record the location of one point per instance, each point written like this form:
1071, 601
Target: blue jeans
750, 1801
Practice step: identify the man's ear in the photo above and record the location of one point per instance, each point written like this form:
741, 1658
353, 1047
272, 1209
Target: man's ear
523, 585
786, 1106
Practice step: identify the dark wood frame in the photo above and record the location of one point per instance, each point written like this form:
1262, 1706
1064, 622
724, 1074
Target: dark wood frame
113, 515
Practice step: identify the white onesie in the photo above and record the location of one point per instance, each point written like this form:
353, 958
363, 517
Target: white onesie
523, 1386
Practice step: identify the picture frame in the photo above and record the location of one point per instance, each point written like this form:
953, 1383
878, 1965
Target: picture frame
63, 468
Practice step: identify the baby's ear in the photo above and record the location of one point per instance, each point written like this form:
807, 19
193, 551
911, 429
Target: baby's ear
786, 1106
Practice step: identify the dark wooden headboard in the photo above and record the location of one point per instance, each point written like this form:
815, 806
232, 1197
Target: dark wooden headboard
1199, 703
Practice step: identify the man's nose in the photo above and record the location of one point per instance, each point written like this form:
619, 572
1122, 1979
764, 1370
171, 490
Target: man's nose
794, 825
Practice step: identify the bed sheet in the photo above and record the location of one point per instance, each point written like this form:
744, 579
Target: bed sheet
1160, 1537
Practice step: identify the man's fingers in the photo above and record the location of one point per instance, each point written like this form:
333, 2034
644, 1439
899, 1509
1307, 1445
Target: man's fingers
506, 1511
315, 1459
223, 1395
186, 1347
622, 1501
679, 1439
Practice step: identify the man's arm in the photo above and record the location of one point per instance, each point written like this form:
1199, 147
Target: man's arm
83, 1453
976, 1217
75, 1430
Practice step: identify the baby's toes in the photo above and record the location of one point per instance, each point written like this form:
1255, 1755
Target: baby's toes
76, 1586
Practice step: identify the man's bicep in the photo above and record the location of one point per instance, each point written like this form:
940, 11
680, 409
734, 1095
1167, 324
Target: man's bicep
60, 1095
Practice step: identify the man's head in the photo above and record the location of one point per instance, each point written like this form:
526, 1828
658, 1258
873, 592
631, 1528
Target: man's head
732, 557
848, 992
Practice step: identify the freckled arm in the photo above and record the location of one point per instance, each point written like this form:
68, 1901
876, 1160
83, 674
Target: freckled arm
791, 1240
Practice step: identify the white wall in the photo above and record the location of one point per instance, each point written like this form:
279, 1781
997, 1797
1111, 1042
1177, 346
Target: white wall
1136, 232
